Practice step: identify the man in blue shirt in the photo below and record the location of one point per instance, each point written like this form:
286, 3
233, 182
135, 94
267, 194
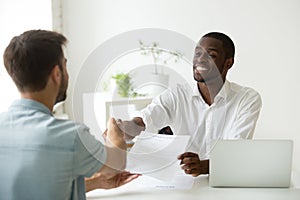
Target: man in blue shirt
43, 157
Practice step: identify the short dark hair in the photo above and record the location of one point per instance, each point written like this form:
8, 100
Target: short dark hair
227, 42
30, 57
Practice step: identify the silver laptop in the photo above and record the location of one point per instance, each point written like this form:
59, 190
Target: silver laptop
251, 163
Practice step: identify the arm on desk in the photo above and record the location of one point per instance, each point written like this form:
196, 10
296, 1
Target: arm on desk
191, 164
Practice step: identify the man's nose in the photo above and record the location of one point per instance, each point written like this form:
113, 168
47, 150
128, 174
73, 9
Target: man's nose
202, 57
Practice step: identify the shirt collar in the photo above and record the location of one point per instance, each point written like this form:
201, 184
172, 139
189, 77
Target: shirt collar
195, 90
221, 95
32, 104
224, 91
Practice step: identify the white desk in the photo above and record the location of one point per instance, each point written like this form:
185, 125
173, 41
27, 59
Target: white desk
200, 190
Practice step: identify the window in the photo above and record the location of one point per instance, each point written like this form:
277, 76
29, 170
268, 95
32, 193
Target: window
17, 16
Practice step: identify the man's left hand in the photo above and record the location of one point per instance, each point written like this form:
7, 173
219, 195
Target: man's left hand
191, 164
98, 181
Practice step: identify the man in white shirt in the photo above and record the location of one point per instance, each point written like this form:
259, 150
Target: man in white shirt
211, 109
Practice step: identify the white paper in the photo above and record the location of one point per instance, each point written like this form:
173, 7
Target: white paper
180, 181
155, 155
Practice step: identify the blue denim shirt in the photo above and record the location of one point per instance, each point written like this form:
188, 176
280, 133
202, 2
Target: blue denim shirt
42, 157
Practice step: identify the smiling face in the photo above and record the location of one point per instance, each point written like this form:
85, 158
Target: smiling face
210, 61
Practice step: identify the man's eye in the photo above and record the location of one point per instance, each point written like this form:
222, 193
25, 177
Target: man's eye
197, 55
212, 56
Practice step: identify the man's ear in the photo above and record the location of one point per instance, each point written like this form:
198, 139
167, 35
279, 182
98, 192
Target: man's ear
56, 74
228, 63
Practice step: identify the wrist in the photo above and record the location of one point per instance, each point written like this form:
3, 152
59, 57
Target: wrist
118, 142
204, 167
90, 185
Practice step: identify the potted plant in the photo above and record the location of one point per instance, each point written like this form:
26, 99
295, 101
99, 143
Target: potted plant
124, 85
160, 57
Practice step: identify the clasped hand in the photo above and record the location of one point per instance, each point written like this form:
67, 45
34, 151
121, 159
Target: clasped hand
191, 164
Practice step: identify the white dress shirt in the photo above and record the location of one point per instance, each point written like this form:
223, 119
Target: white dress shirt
233, 115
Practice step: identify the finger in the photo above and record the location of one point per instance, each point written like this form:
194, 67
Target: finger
104, 134
184, 167
195, 172
192, 166
96, 175
188, 166
132, 177
124, 173
118, 180
112, 124
120, 124
128, 179
113, 127
190, 171
127, 173
188, 160
179, 157
186, 154
187, 171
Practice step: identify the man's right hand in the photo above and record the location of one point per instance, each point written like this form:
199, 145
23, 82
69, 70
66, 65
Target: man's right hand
114, 135
131, 128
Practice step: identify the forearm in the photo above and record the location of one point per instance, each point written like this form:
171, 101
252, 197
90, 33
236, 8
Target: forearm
115, 150
116, 153
117, 143
115, 161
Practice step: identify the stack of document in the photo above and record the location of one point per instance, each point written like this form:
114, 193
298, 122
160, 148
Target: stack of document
155, 156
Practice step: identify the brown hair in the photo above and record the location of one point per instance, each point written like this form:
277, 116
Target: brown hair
30, 57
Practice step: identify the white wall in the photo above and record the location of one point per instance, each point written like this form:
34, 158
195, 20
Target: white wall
266, 34
17, 16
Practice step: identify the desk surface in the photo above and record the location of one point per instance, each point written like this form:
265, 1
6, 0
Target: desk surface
200, 190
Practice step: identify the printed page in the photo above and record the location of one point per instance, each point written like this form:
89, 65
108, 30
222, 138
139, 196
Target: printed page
155, 155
